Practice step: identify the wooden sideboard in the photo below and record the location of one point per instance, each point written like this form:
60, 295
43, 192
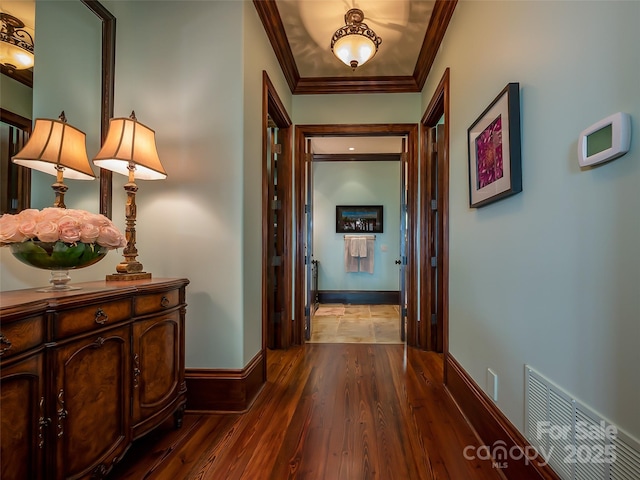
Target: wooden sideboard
83, 373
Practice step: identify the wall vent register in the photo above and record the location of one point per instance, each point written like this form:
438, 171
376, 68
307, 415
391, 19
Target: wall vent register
578, 443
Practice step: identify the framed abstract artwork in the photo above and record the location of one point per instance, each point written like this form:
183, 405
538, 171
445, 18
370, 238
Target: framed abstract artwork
359, 219
495, 168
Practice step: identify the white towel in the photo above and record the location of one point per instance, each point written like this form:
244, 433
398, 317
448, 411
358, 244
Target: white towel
366, 263
350, 262
361, 246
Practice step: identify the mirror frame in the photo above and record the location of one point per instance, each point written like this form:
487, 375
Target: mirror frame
108, 84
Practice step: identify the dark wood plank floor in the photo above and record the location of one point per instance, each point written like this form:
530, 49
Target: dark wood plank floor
328, 411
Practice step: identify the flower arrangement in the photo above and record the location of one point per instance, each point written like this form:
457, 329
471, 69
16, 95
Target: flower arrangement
60, 224
54, 238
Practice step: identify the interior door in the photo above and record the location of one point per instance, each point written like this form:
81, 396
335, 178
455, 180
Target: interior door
276, 330
434, 340
402, 261
308, 241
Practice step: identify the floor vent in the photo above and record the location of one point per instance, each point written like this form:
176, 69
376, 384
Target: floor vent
577, 442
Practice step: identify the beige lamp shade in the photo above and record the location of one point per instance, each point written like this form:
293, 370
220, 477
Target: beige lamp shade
54, 145
130, 142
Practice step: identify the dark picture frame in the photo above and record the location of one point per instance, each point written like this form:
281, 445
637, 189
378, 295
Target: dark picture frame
495, 165
359, 219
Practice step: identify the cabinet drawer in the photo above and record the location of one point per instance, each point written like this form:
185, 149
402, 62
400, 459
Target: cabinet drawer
88, 318
156, 302
17, 337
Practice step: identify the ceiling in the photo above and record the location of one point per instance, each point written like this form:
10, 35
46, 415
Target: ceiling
300, 33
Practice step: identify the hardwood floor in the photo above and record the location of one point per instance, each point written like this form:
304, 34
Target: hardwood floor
347, 323
328, 411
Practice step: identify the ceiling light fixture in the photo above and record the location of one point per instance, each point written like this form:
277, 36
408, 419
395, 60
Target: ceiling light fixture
355, 43
16, 44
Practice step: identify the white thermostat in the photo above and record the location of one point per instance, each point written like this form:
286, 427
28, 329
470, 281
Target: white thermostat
605, 140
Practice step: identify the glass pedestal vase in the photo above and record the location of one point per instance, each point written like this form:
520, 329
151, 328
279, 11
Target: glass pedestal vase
59, 257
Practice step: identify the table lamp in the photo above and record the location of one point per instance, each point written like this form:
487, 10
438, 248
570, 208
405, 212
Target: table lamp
56, 148
130, 149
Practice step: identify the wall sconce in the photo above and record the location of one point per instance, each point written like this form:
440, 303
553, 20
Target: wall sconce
16, 44
56, 148
355, 43
130, 149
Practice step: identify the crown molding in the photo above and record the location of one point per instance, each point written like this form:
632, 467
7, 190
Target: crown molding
438, 23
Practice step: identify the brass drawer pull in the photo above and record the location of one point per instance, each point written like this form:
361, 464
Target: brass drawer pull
5, 344
62, 413
165, 302
101, 317
136, 370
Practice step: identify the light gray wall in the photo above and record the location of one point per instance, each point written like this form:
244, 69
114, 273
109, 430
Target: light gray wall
355, 183
549, 277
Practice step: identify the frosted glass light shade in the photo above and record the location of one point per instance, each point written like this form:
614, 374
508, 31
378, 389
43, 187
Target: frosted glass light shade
354, 48
55, 143
130, 142
15, 57
16, 43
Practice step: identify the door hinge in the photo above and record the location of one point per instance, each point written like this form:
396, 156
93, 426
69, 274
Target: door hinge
404, 312
434, 205
276, 261
307, 209
434, 147
277, 148
434, 320
434, 261
276, 204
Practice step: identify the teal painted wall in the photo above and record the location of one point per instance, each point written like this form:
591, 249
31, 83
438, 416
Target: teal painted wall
355, 183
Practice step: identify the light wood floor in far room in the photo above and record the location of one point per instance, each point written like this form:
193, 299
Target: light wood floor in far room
327, 412
345, 323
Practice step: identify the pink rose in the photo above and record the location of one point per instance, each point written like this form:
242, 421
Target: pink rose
89, 233
97, 220
27, 222
47, 231
111, 237
69, 228
10, 229
51, 214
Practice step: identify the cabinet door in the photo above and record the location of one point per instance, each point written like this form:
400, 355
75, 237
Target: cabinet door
92, 401
157, 359
23, 424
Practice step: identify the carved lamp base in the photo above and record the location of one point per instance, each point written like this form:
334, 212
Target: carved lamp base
124, 277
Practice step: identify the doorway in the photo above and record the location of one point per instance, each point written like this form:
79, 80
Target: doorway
276, 224
303, 214
434, 208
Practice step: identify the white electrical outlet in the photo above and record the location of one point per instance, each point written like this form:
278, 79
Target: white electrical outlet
492, 384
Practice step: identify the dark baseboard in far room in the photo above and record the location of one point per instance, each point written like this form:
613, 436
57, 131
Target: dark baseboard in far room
360, 297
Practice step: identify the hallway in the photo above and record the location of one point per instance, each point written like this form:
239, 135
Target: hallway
333, 412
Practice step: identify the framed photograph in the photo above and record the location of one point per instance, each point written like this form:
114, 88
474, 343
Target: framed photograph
495, 169
359, 219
